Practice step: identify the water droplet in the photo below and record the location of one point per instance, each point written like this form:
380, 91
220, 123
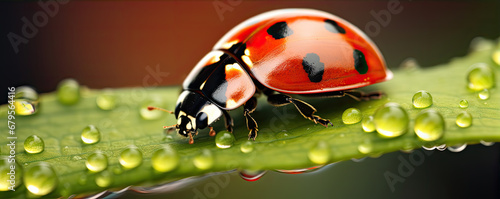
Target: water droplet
282, 135
251, 175
165, 159
76, 158
319, 153
422, 99
409, 64
484, 94
82, 180
130, 157
464, 119
65, 190
464, 103
68, 92
496, 57
485, 143
151, 115
457, 148
26, 101
103, 179
168, 138
90, 135
106, 101
366, 147
8, 174
391, 120
40, 179
247, 146
34, 144
480, 76
300, 171
429, 125
480, 44
368, 124
224, 139
351, 116
97, 162
204, 160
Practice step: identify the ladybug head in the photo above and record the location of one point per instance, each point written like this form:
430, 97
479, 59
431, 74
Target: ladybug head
193, 111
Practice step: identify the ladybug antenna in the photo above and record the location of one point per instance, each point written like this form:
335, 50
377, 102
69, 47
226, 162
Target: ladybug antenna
170, 127
150, 108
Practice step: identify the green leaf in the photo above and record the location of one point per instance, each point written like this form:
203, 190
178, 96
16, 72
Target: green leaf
285, 139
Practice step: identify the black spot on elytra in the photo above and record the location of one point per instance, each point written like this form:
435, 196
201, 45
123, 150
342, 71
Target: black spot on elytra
360, 62
280, 30
313, 67
332, 26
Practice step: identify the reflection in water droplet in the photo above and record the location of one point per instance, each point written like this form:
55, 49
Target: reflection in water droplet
25, 101
351, 116
319, 153
457, 148
96, 162
391, 120
464, 103
484, 94
251, 175
130, 157
487, 143
90, 135
441, 147
368, 124
247, 146
429, 125
68, 92
464, 119
40, 179
204, 160
224, 139
34, 144
422, 99
165, 159
480, 76
106, 101
300, 171
359, 160
103, 179
8, 174
429, 148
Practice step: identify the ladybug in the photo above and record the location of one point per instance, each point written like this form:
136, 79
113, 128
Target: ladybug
277, 53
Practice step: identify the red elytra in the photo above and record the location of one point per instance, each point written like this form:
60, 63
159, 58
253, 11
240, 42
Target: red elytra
277, 63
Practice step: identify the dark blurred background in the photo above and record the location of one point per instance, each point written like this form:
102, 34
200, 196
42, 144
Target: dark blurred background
119, 43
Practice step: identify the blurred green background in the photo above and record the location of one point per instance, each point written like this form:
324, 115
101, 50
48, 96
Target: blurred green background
119, 43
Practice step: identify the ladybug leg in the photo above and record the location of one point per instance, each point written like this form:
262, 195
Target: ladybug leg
212, 131
252, 126
360, 95
304, 108
229, 121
